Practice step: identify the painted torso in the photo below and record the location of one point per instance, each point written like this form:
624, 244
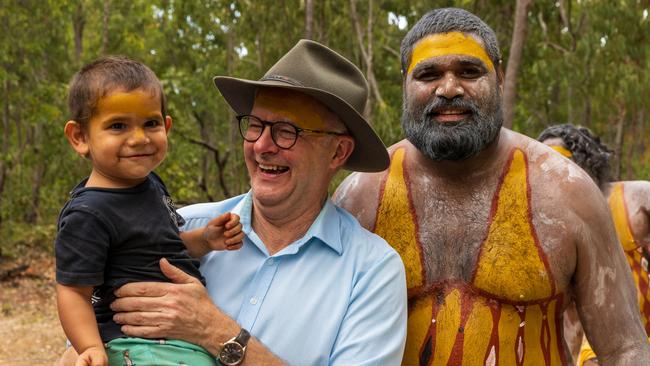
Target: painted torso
633, 248
507, 311
487, 279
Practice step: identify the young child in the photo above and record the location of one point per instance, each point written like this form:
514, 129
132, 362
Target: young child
120, 221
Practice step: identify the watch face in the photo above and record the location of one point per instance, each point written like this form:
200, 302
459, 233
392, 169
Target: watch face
231, 354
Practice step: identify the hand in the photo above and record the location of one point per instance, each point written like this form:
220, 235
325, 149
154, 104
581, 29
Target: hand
92, 356
180, 310
224, 232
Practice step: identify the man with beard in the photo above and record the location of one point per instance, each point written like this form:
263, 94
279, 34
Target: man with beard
498, 232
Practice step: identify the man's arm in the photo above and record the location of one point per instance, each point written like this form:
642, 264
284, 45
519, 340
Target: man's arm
181, 310
605, 295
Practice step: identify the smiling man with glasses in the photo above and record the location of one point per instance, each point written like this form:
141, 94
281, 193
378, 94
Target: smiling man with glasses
309, 284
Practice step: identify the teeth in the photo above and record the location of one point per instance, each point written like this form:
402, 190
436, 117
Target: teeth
270, 167
452, 111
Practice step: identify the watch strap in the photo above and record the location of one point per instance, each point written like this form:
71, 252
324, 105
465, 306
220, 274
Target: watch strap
243, 337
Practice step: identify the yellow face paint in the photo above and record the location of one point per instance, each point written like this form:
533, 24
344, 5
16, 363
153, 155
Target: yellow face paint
300, 109
139, 102
562, 150
452, 43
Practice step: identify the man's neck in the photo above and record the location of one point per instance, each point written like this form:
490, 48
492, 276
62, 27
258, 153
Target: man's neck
279, 226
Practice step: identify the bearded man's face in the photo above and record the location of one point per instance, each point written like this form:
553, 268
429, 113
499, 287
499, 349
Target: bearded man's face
452, 97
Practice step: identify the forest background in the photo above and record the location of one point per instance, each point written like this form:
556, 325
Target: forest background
584, 62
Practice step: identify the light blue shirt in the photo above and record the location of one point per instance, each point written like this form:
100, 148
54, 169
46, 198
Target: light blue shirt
337, 296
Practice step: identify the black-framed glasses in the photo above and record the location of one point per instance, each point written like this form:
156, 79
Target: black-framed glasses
283, 134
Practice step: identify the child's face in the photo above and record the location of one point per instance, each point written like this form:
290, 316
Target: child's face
126, 138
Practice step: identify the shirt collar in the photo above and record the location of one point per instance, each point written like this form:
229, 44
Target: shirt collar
326, 229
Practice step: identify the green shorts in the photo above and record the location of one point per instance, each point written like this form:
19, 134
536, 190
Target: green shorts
156, 352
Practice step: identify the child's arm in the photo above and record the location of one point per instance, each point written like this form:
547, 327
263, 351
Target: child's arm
79, 323
222, 232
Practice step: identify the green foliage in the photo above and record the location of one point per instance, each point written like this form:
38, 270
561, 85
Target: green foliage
16, 239
588, 67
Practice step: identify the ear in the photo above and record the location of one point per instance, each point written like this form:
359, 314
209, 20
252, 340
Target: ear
77, 138
344, 148
501, 77
168, 124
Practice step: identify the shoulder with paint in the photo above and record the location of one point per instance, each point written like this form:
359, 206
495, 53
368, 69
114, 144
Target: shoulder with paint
638, 191
557, 184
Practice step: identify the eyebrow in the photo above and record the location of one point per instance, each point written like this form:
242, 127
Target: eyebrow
471, 61
123, 117
464, 61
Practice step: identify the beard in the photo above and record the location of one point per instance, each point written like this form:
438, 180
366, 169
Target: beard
453, 141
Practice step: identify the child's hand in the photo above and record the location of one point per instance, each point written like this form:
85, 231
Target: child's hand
92, 356
224, 232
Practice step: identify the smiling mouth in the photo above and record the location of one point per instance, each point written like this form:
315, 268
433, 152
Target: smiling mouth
136, 156
448, 115
273, 169
451, 112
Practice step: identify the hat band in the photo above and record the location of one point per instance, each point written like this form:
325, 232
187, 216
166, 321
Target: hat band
281, 78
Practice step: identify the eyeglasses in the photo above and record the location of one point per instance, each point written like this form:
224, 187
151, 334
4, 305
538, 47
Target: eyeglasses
283, 134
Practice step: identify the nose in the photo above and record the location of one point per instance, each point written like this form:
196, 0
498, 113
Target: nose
265, 143
449, 87
139, 136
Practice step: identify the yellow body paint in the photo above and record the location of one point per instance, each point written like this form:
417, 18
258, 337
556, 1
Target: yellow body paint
447, 321
300, 108
452, 43
562, 150
511, 235
632, 251
396, 221
466, 324
138, 101
419, 323
477, 334
619, 214
586, 353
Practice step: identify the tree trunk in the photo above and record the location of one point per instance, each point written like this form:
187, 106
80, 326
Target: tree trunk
31, 217
636, 146
106, 17
78, 23
618, 142
5, 144
514, 61
309, 19
367, 55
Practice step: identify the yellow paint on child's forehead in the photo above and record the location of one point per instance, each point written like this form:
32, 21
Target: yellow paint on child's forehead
298, 108
140, 102
443, 44
562, 150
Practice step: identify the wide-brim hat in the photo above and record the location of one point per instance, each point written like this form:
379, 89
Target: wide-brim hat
315, 70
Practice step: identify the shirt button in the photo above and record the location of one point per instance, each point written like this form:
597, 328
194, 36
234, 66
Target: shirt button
253, 301
270, 262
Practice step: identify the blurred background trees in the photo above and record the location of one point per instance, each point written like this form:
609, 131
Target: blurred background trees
584, 62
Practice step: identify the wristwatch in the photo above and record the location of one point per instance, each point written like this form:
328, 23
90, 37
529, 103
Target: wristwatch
233, 351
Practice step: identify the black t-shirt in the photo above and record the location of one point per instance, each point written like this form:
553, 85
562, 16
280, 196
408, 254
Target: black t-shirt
109, 237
